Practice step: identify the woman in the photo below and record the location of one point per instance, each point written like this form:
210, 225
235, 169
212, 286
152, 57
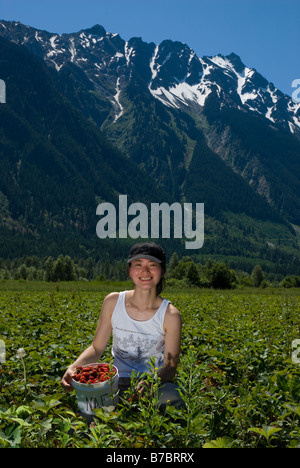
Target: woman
143, 324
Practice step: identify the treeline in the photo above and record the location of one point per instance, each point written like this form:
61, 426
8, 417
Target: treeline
180, 273
63, 268
217, 275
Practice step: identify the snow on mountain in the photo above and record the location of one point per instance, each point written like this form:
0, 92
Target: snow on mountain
172, 71
233, 82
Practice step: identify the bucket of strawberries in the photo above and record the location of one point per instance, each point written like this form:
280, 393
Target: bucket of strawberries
96, 386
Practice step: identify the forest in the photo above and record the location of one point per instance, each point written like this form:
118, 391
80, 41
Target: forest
181, 272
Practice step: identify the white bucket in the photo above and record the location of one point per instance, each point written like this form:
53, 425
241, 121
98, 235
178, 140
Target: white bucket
98, 395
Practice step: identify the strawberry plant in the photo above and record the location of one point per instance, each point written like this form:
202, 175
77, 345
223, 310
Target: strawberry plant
236, 374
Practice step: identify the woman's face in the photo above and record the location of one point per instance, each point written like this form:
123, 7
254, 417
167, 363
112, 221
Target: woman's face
145, 273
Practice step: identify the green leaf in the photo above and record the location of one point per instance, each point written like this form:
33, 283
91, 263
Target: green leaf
17, 437
294, 409
4, 441
265, 431
36, 356
220, 442
45, 425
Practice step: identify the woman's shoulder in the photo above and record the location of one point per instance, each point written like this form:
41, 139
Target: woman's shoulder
172, 321
172, 312
109, 304
111, 298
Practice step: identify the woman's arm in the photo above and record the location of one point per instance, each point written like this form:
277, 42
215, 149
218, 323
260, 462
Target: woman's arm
172, 326
94, 352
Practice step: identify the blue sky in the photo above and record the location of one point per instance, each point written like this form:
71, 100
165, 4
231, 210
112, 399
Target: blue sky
264, 33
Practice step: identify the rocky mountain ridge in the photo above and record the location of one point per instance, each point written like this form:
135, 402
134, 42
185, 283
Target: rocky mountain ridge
175, 75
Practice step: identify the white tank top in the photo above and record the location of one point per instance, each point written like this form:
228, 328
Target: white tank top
134, 341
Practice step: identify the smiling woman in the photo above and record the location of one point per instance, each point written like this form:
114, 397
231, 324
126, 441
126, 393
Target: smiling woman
145, 272
151, 256
145, 328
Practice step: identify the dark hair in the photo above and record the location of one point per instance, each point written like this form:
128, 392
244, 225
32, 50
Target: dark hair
161, 284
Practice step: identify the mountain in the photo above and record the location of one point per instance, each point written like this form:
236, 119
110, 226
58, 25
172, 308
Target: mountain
113, 81
171, 70
55, 166
205, 129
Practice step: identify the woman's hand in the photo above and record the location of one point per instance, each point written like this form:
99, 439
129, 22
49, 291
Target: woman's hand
94, 352
140, 389
66, 381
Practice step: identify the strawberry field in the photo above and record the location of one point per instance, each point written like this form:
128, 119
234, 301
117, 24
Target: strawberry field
236, 373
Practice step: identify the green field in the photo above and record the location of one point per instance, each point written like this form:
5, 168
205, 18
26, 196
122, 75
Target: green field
236, 372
